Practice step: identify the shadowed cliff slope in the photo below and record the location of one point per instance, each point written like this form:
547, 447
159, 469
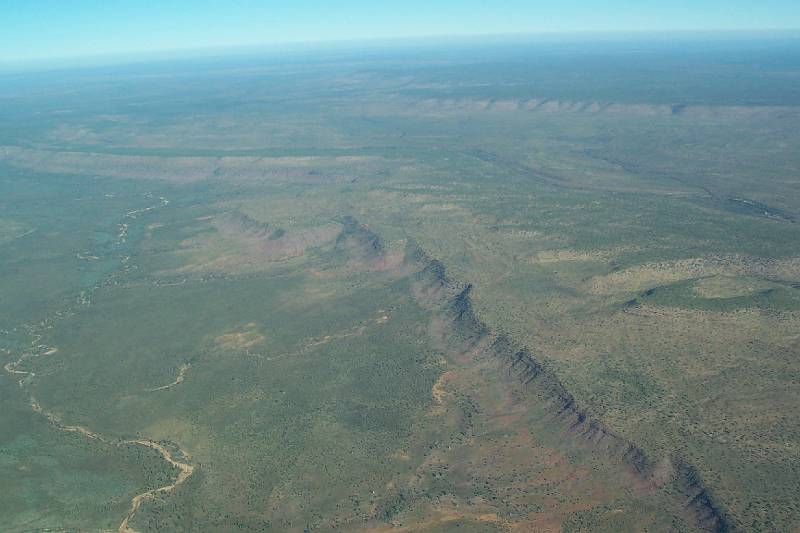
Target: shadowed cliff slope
466, 336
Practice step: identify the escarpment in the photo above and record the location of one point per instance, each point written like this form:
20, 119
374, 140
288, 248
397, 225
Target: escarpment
358, 241
553, 106
465, 336
261, 241
364, 248
236, 221
459, 307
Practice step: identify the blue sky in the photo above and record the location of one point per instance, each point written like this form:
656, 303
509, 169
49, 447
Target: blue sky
31, 29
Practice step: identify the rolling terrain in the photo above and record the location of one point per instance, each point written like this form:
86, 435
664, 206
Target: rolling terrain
495, 289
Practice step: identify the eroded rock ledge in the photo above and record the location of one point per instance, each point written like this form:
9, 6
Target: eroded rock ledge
466, 336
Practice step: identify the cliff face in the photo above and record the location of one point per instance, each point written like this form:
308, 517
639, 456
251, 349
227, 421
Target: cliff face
365, 249
465, 336
559, 106
358, 241
264, 242
237, 222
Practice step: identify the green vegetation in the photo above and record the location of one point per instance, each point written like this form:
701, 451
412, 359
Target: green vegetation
65, 481
220, 308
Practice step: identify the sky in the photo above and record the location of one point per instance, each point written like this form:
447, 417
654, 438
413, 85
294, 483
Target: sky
38, 29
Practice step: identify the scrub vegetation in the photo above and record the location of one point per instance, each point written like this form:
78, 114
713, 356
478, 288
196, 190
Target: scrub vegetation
501, 289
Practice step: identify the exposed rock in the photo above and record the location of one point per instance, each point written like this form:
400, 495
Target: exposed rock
365, 249
464, 333
358, 241
555, 105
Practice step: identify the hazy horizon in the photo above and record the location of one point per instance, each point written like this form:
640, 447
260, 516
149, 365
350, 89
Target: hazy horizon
447, 266
440, 42
87, 29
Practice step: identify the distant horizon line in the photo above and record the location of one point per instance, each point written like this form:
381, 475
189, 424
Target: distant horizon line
191, 52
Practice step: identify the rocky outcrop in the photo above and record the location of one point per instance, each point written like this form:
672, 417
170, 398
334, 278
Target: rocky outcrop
238, 222
264, 242
358, 241
364, 249
465, 334
556, 105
